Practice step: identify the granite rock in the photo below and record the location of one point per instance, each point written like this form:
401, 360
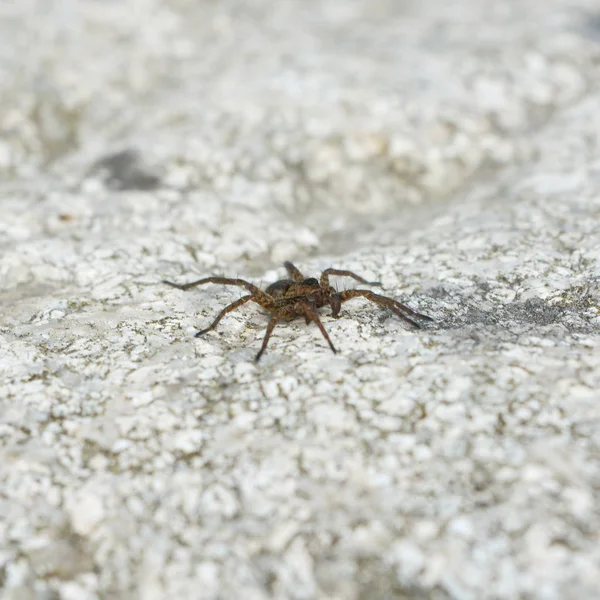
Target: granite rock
449, 150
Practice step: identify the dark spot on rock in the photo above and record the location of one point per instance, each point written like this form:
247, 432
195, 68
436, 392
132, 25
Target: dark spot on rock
438, 293
378, 581
484, 286
591, 25
533, 311
124, 171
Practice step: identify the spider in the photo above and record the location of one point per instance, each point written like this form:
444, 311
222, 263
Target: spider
301, 297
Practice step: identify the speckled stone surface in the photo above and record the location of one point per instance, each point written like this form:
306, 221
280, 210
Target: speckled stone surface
449, 150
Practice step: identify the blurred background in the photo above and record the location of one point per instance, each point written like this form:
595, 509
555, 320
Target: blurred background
254, 132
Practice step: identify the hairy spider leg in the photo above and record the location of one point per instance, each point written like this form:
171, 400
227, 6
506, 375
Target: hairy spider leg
324, 282
226, 310
396, 307
293, 272
313, 306
270, 327
301, 308
220, 280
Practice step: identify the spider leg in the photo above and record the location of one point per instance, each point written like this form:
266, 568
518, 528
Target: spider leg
309, 314
268, 333
327, 272
293, 272
226, 310
313, 307
222, 280
401, 310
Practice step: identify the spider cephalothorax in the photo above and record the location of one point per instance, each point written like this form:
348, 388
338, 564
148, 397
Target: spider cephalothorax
302, 297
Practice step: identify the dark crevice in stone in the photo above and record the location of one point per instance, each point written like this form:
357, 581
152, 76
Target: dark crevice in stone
123, 170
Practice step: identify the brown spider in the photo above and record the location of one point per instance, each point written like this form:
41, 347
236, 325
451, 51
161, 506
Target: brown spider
298, 296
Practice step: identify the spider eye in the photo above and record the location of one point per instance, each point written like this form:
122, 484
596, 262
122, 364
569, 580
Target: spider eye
310, 281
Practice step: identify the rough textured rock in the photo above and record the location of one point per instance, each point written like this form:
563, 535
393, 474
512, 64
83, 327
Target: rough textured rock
450, 150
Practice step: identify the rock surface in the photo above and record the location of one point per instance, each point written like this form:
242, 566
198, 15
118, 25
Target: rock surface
450, 150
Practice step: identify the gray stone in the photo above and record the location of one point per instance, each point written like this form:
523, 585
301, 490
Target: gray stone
450, 151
